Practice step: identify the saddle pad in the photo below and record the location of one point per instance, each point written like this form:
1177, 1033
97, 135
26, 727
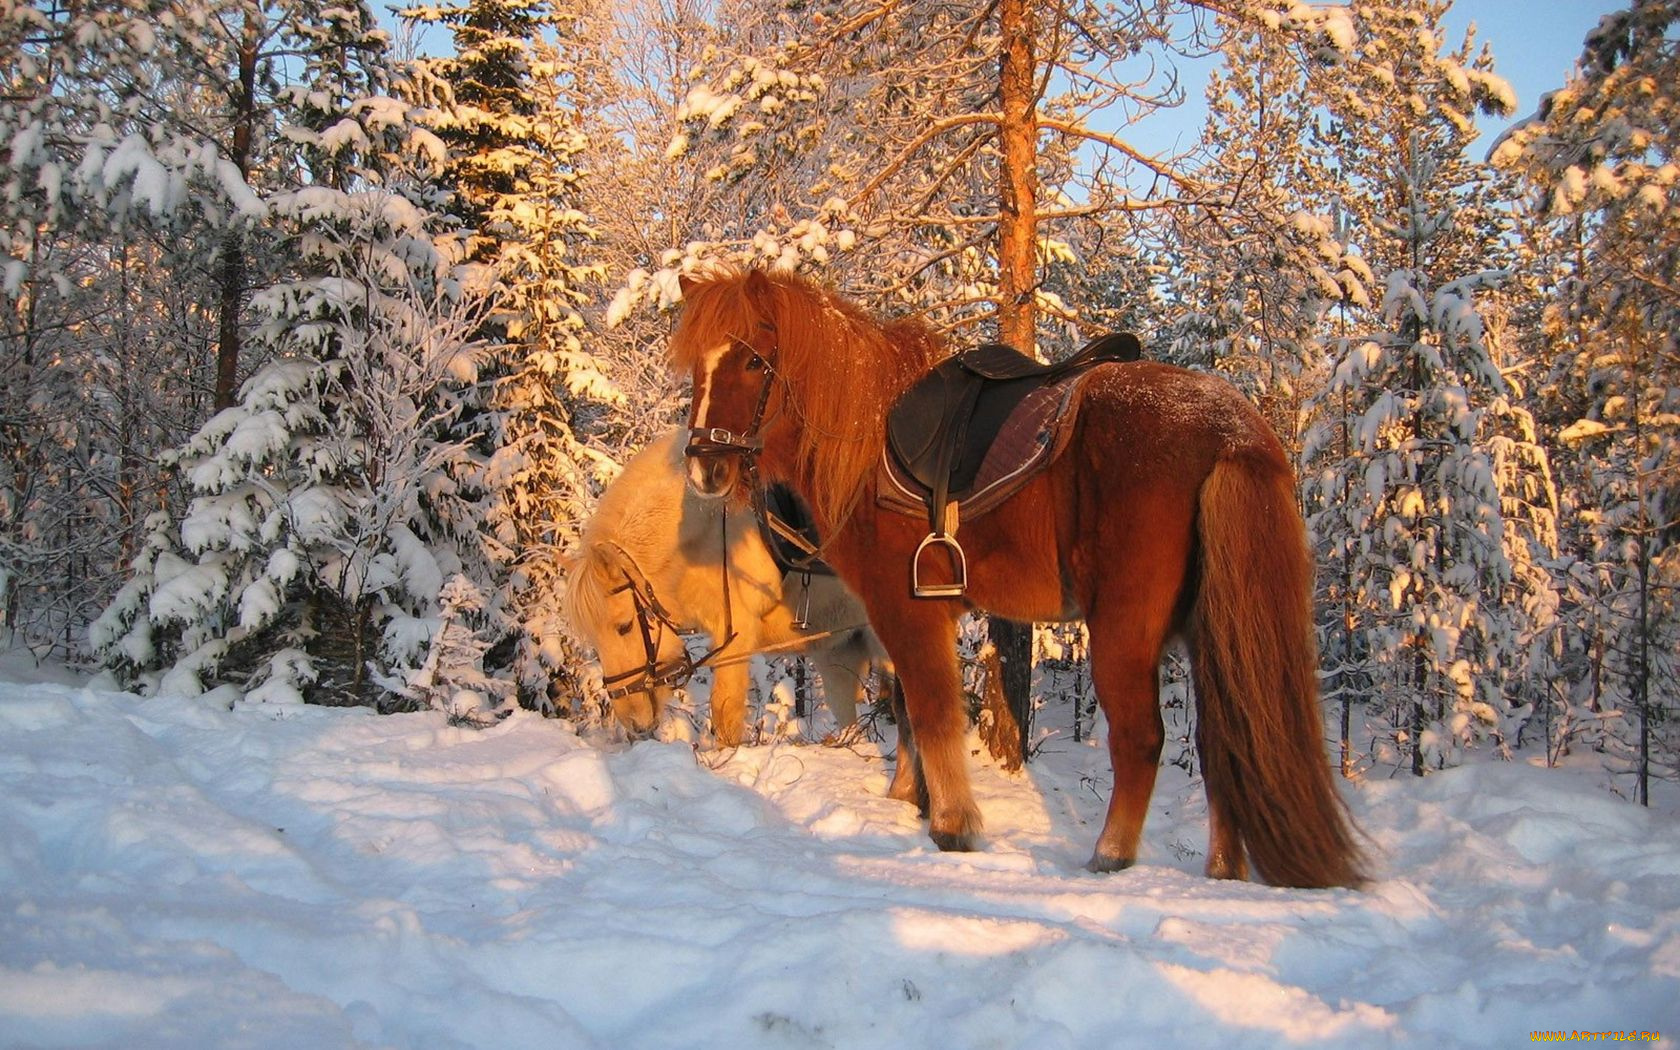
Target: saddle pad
1033, 434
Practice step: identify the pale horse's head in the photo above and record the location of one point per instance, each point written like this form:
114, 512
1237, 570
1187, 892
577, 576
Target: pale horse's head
613, 608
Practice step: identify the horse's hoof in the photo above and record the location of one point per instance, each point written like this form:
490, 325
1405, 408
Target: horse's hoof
1103, 865
952, 842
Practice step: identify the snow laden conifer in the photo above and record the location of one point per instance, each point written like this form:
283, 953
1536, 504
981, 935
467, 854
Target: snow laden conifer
1257, 257
333, 502
143, 145
1416, 437
114, 195
1603, 159
509, 105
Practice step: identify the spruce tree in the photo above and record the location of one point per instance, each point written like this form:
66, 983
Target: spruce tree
1418, 440
510, 109
333, 501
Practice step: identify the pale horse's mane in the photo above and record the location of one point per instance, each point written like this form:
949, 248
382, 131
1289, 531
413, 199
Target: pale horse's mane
843, 369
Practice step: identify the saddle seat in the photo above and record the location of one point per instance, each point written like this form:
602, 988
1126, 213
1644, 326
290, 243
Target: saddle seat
973, 431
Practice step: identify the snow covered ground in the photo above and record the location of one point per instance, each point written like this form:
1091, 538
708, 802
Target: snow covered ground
175, 874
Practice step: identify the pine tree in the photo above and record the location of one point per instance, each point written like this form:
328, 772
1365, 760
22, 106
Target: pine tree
1414, 438
328, 507
1600, 156
452, 678
148, 142
511, 113
1255, 268
334, 500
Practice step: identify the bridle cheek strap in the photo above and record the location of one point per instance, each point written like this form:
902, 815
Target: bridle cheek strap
677, 671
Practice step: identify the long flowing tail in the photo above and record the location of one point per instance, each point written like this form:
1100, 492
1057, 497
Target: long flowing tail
1260, 728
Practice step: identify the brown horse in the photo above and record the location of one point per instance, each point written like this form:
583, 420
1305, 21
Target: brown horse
1171, 512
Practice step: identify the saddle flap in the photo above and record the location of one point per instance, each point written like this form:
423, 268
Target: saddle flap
919, 425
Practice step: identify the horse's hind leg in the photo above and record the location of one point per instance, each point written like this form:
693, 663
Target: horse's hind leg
1125, 676
1225, 859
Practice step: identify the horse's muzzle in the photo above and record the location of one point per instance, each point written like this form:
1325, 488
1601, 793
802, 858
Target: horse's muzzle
637, 715
713, 476
716, 458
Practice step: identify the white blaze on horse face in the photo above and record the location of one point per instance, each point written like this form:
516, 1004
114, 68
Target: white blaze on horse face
703, 385
702, 404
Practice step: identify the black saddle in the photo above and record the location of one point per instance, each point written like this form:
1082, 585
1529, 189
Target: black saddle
941, 431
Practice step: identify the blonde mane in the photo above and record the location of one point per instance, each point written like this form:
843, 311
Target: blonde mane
842, 369
638, 512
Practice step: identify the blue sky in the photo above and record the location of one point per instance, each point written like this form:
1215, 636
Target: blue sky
1535, 44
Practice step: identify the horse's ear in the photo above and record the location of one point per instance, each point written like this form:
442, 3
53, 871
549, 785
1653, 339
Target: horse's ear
762, 295
686, 284
569, 562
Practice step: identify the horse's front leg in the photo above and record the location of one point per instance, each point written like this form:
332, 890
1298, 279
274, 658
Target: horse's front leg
924, 651
845, 671
729, 698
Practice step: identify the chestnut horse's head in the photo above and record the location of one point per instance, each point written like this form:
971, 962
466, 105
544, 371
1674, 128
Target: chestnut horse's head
726, 342
792, 383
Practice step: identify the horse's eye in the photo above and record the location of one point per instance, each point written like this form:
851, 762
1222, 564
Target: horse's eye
623, 629
755, 363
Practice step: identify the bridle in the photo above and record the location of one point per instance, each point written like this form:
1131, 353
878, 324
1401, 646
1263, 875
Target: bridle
652, 620
712, 442
707, 442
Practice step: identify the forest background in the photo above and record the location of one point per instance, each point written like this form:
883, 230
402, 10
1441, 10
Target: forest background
315, 349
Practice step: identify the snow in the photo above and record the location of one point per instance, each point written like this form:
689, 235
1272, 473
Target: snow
177, 873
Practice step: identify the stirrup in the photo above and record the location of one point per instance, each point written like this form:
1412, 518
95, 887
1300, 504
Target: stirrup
958, 560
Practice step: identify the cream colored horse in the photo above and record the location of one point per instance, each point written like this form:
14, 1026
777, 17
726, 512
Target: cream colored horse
650, 532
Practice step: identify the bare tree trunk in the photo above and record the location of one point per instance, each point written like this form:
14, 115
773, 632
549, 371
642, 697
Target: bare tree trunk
1017, 282
232, 277
1642, 637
